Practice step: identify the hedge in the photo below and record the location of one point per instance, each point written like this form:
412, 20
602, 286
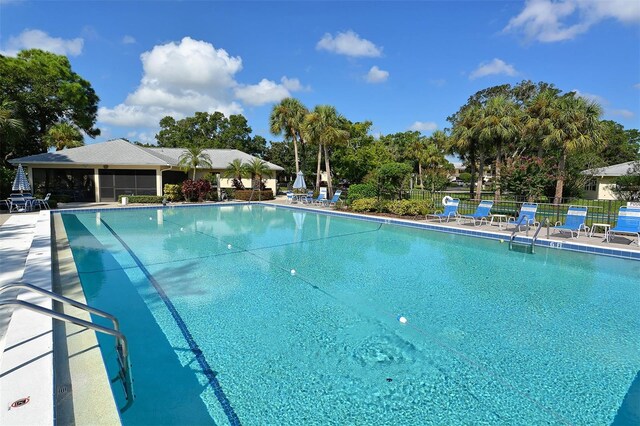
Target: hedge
245, 195
142, 199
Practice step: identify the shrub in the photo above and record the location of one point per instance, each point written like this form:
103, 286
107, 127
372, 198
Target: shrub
198, 190
409, 207
365, 205
361, 190
173, 192
142, 199
245, 195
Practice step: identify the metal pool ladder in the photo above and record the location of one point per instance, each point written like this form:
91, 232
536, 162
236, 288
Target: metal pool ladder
122, 348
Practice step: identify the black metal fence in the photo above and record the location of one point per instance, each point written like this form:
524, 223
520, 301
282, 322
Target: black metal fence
598, 211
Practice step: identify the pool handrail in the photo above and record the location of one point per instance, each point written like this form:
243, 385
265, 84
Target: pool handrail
122, 347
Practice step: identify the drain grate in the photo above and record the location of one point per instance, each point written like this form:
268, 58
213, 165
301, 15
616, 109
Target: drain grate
63, 389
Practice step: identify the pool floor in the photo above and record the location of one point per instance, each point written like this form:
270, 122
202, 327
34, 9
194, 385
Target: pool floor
261, 315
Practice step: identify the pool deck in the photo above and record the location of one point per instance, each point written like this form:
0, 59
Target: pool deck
26, 339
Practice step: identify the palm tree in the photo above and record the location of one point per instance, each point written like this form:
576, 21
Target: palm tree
573, 126
417, 149
63, 135
257, 169
235, 170
465, 141
193, 158
286, 118
326, 127
9, 124
500, 124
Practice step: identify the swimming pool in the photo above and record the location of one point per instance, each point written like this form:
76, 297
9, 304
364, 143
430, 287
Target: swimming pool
261, 315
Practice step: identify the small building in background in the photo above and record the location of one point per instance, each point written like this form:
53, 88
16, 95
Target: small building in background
602, 180
104, 171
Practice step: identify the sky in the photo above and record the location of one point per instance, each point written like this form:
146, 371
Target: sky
402, 65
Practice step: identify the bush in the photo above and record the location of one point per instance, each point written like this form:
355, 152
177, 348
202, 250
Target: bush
361, 190
198, 190
142, 199
365, 205
173, 192
409, 207
245, 195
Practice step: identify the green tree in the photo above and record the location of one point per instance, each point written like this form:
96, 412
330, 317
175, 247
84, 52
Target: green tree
465, 141
628, 186
391, 178
63, 135
573, 126
501, 124
210, 131
45, 91
327, 128
287, 119
619, 145
235, 170
192, 158
11, 130
258, 170
281, 153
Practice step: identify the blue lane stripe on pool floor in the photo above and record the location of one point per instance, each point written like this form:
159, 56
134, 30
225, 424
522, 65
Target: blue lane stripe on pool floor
202, 361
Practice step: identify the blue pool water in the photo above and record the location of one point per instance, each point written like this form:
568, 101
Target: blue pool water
221, 331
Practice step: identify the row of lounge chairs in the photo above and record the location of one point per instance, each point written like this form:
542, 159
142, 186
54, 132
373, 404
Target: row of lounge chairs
320, 200
25, 202
628, 218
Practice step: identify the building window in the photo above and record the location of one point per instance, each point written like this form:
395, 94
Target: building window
590, 185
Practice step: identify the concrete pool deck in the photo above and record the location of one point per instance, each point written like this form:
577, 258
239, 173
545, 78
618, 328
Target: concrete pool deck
28, 252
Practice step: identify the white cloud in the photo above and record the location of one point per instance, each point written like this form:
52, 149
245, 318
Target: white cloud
625, 113
591, 97
37, 39
423, 126
636, 86
183, 77
349, 44
128, 39
496, 66
179, 79
547, 21
376, 75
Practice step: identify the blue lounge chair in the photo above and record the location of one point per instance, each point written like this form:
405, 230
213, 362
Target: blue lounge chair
628, 223
322, 196
309, 198
334, 200
482, 213
526, 216
289, 197
574, 222
450, 210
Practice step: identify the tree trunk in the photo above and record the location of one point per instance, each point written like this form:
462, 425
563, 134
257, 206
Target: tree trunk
560, 182
480, 177
472, 183
295, 150
420, 175
318, 169
327, 167
498, 167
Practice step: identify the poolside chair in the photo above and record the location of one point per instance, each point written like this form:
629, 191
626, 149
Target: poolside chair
450, 210
43, 203
289, 197
628, 223
309, 198
19, 203
526, 216
322, 196
574, 222
482, 213
334, 200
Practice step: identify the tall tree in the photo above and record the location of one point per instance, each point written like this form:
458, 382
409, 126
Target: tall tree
465, 141
500, 124
63, 135
44, 91
192, 158
573, 126
327, 128
287, 119
235, 170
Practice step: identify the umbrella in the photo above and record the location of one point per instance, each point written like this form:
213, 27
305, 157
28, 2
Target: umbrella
21, 183
299, 183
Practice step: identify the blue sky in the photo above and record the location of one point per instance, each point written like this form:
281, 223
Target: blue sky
402, 65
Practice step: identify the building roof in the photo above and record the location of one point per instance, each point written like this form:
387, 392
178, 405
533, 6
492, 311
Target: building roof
615, 170
119, 152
